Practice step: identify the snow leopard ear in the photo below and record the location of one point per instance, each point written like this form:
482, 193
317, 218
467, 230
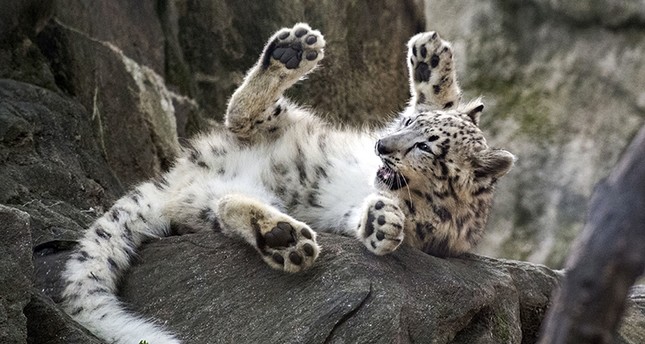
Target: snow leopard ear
474, 111
493, 163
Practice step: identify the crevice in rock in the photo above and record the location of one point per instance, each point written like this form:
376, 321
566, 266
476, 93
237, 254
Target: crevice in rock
176, 69
348, 315
51, 47
475, 327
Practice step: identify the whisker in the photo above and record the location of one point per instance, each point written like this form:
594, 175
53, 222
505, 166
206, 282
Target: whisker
407, 187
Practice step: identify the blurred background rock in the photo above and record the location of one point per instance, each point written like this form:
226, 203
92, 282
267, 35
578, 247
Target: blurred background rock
564, 83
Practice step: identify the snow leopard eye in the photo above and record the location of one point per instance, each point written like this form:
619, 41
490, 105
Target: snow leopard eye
407, 122
424, 147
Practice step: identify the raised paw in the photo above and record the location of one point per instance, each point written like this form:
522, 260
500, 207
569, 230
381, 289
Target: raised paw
289, 245
381, 227
432, 72
297, 49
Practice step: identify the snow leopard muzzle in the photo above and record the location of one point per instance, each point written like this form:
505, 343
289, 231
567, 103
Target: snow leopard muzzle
390, 178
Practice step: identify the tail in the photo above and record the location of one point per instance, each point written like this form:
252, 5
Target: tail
103, 255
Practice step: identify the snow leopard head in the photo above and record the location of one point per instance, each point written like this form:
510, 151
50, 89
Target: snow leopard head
439, 149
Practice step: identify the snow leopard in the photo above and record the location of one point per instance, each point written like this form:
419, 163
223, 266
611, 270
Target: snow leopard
275, 173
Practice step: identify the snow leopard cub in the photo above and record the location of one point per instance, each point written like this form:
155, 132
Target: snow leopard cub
276, 171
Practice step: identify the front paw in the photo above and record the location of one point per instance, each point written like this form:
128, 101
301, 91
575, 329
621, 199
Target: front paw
381, 227
297, 49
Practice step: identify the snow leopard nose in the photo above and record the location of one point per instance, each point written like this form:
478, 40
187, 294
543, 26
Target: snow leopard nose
382, 149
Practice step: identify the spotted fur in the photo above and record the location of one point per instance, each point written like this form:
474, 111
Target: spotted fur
276, 172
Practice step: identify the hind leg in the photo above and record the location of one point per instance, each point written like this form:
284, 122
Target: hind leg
257, 108
433, 80
283, 242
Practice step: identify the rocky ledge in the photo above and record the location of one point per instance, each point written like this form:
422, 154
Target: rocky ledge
209, 288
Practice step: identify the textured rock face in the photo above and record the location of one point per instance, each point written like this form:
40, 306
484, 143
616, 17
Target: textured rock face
213, 289
48, 324
129, 103
15, 274
362, 78
563, 82
633, 324
222, 293
51, 164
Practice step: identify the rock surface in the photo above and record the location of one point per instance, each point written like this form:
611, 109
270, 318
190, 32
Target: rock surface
563, 85
16, 270
48, 324
363, 76
213, 289
52, 167
633, 324
217, 290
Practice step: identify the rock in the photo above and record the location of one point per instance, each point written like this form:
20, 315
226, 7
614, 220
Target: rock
51, 163
48, 324
20, 58
16, 271
363, 77
24, 16
133, 27
561, 94
49, 262
632, 329
145, 33
213, 289
612, 14
216, 289
129, 103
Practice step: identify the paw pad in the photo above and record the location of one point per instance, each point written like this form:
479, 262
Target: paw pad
278, 258
290, 56
292, 47
301, 32
295, 258
427, 52
289, 246
309, 250
311, 55
381, 229
311, 39
280, 236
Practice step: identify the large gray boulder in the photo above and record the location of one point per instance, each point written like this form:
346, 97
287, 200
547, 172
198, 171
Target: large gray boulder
209, 288
213, 289
563, 85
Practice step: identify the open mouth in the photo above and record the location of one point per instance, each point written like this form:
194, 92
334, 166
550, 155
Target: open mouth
392, 179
